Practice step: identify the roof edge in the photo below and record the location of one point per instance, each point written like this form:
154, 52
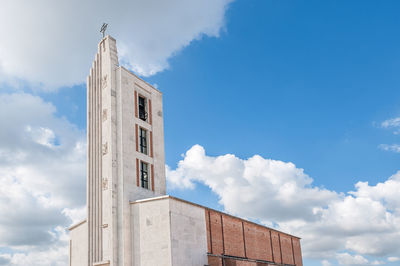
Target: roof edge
204, 207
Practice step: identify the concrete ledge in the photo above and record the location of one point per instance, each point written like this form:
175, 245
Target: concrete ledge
102, 263
150, 199
72, 227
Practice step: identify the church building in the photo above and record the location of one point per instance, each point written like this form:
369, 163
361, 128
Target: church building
130, 219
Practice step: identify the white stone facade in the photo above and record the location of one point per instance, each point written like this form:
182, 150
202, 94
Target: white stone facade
78, 245
167, 231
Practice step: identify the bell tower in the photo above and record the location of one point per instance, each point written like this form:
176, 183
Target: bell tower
125, 159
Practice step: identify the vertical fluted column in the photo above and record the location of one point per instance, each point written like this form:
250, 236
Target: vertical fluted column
89, 154
102, 195
94, 149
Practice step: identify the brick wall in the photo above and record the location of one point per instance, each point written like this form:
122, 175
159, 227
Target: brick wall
235, 242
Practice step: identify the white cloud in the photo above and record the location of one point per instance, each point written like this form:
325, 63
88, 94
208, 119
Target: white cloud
325, 263
391, 123
52, 43
56, 255
288, 188
5, 259
365, 221
347, 259
42, 176
392, 147
393, 259
377, 262
76, 214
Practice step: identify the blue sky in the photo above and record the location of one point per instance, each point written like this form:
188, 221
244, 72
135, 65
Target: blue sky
306, 82
302, 81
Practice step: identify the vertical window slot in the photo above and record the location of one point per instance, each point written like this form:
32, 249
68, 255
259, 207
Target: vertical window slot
142, 108
144, 176
143, 140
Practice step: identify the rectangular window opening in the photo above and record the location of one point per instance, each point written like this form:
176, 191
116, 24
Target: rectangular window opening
144, 176
143, 140
142, 108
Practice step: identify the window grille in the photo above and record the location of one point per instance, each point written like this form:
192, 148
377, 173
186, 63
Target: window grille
143, 140
142, 108
144, 176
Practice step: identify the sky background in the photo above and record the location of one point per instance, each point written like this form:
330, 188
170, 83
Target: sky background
283, 112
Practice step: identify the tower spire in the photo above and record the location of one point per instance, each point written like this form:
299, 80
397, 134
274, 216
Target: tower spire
103, 29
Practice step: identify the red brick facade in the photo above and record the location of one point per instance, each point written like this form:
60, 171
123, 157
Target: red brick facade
236, 242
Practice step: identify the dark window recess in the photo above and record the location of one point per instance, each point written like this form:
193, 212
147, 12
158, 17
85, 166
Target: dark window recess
144, 176
143, 140
142, 108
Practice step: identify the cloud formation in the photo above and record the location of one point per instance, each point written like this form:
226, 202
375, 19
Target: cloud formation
350, 260
365, 222
392, 124
392, 147
52, 43
42, 176
393, 259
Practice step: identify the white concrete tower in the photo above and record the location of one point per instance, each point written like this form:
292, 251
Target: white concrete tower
125, 160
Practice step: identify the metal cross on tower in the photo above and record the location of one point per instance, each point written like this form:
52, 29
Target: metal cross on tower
103, 29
